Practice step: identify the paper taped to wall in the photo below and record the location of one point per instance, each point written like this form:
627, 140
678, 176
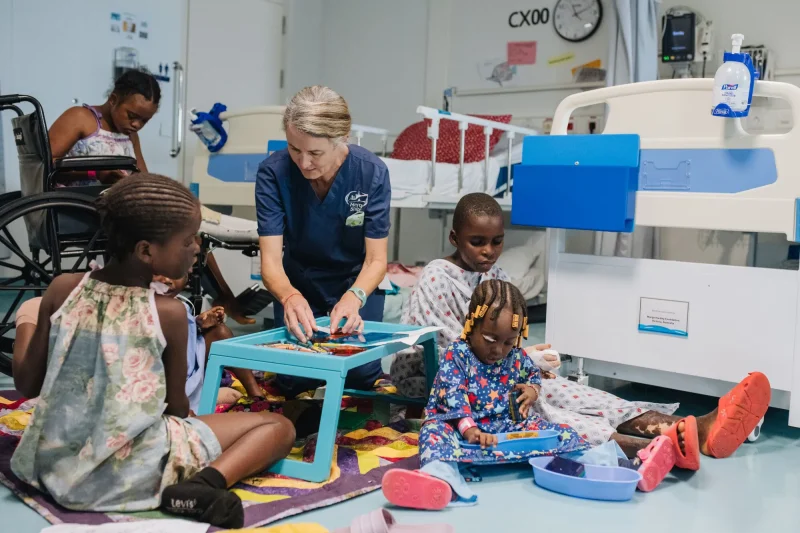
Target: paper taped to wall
521, 53
563, 58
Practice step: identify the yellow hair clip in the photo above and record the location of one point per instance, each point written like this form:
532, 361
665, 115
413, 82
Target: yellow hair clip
467, 329
515, 321
525, 331
481, 311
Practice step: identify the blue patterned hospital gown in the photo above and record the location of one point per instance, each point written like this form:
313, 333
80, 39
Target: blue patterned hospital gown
466, 387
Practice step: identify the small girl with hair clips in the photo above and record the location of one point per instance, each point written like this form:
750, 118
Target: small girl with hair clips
470, 401
112, 429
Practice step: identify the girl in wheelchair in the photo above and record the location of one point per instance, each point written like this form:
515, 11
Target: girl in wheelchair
112, 129
112, 430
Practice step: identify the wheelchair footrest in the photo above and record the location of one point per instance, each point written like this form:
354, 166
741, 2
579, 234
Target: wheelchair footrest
254, 299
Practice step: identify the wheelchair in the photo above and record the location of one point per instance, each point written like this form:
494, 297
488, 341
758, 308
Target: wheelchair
62, 226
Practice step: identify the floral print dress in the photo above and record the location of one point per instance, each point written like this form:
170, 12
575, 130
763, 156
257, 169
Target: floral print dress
99, 439
466, 387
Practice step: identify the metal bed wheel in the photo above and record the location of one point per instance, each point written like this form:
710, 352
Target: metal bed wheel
32, 271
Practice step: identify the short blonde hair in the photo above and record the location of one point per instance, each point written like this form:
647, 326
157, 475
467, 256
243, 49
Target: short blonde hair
319, 111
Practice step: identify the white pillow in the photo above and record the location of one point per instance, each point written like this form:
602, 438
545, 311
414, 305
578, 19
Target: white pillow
517, 261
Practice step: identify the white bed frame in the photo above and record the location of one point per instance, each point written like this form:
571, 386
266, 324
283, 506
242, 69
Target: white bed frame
741, 319
440, 203
434, 201
249, 131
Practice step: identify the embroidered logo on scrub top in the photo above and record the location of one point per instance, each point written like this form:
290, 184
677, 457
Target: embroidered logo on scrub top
356, 200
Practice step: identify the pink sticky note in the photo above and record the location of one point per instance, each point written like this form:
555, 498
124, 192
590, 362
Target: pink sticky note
522, 53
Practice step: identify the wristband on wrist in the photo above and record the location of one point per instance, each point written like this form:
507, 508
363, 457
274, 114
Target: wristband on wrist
92, 174
286, 299
360, 294
466, 424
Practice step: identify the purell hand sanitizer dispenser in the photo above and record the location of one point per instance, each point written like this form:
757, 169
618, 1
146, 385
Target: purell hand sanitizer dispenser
733, 83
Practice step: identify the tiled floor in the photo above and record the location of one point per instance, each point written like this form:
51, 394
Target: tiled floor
758, 489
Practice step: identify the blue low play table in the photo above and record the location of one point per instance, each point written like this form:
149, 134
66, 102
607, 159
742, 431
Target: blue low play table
243, 352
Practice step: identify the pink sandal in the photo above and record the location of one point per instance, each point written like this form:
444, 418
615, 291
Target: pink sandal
657, 460
416, 490
382, 521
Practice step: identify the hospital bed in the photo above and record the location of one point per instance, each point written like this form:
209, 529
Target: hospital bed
436, 185
702, 172
228, 176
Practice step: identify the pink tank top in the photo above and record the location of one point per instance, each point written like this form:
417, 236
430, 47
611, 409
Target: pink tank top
101, 142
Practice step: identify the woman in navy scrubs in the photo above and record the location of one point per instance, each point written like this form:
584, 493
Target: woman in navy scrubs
323, 222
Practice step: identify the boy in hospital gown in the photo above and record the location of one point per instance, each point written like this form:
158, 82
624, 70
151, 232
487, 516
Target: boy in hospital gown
441, 298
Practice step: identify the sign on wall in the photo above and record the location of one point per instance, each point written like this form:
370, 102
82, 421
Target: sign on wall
505, 44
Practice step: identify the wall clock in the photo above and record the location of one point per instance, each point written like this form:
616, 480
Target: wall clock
577, 20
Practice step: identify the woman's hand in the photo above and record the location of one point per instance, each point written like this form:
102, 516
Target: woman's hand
476, 436
348, 307
528, 397
298, 317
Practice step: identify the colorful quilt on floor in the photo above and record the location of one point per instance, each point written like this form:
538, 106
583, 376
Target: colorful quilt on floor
361, 458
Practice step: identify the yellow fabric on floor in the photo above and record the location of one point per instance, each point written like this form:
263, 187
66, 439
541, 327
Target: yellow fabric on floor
287, 528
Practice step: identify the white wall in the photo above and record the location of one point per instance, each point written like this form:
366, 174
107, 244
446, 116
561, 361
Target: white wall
371, 51
384, 93
777, 31
239, 65
303, 46
779, 34
387, 57
6, 44
250, 29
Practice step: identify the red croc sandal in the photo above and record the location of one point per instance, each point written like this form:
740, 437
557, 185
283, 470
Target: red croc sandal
690, 459
657, 460
416, 490
739, 412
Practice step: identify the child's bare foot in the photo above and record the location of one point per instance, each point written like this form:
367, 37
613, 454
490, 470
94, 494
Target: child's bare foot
235, 311
249, 383
704, 424
682, 436
254, 392
227, 395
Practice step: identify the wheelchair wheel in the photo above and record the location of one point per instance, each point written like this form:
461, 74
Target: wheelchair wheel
72, 239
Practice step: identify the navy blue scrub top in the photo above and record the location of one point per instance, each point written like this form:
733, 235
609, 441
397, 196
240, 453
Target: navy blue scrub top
324, 247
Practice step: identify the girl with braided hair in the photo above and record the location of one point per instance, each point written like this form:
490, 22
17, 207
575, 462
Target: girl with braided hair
112, 429
470, 402
112, 129
476, 376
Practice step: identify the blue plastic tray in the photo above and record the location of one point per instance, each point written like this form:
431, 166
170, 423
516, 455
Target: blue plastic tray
609, 483
547, 440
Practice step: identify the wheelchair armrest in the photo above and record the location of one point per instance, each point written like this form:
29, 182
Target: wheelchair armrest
106, 162
248, 248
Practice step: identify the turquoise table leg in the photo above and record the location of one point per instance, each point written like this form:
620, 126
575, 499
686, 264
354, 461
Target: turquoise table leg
208, 397
320, 469
431, 352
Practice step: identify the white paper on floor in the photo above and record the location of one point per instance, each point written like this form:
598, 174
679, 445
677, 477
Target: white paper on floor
143, 526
